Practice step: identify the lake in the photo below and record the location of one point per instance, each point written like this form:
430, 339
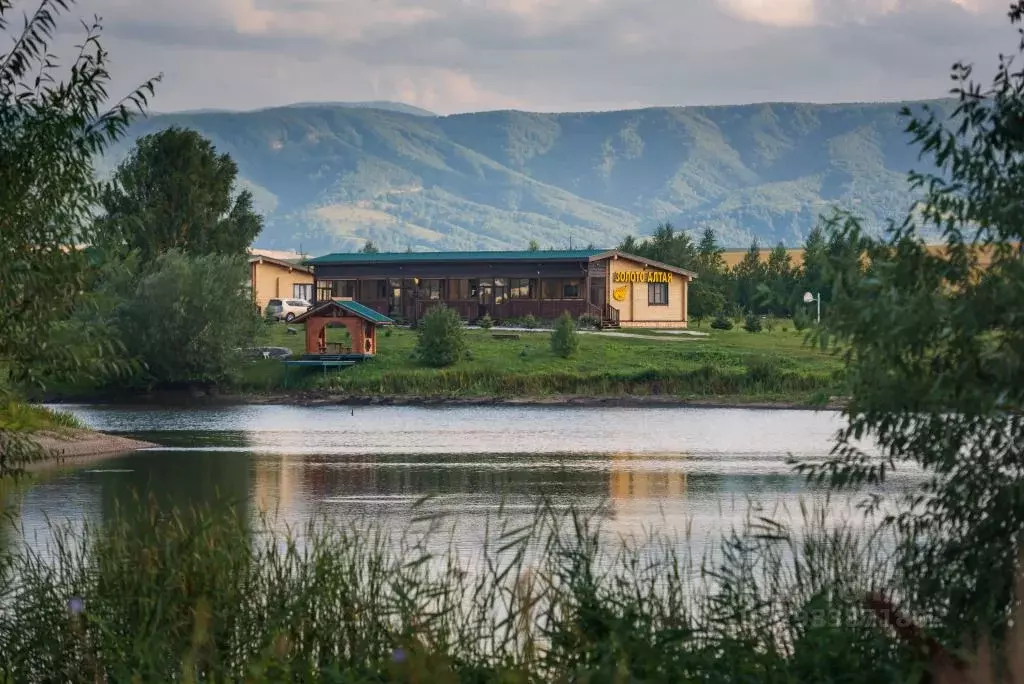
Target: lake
692, 472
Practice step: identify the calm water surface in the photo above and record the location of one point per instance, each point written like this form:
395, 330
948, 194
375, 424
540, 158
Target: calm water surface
677, 470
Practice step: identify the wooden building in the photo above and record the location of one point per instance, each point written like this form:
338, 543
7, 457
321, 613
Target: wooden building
357, 322
620, 289
272, 278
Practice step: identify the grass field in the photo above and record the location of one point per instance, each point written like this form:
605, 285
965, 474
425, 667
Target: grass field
734, 365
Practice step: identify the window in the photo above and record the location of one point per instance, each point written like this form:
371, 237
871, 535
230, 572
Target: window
296, 302
431, 289
560, 289
570, 289
323, 291
344, 288
274, 302
549, 289
657, 294
522, 288
302, 291
373, 289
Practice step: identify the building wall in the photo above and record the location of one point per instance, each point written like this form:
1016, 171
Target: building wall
273, 281
635, 310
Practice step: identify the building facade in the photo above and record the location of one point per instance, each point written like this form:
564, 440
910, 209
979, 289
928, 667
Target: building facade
618, 288
272, 278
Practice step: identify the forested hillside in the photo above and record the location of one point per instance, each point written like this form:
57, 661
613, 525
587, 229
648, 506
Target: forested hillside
330, 176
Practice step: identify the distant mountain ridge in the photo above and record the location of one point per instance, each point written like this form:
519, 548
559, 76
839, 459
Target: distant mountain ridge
329, 176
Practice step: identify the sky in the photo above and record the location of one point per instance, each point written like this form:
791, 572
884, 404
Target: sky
453, 56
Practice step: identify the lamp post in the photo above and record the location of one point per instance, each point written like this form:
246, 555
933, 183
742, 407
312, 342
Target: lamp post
808, 298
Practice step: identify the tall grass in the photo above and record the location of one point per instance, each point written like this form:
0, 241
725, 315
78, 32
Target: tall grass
199, 596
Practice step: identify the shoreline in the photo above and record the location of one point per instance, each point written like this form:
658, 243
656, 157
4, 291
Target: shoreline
81, 446
313, 398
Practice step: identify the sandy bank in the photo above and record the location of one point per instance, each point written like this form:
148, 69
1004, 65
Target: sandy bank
86, 443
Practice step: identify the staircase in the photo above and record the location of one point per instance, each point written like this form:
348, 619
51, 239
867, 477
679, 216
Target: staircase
609, 317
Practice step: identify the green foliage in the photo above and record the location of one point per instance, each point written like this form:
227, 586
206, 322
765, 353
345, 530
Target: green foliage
156, 596
534, 246
752, 323
801, 319
441, 339
565, 340
175, 192
530, 322
934, 342
485, 322
369, 248
721, 322
51, 126
171, 325
588, 322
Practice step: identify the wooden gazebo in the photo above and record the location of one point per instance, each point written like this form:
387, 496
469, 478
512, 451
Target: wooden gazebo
360, 321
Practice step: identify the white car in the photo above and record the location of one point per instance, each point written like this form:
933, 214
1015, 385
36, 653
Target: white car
286, 309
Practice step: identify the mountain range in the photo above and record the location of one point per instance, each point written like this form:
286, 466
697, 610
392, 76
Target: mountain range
329, 176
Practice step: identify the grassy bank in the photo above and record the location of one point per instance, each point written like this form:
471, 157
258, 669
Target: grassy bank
195, 597
732, 366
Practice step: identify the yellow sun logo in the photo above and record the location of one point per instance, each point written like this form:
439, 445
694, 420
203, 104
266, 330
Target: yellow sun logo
620, 293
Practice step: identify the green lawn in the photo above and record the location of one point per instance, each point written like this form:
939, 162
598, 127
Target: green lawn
734, 365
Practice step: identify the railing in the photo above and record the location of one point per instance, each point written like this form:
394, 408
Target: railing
611, 314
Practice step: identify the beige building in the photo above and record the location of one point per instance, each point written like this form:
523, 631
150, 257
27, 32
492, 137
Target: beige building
646, 293
272, 278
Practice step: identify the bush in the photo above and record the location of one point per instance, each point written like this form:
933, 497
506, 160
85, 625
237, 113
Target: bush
530, 322
486, 322
752, 323
440, 338
801, 321
564, 339
721, 323
588, 321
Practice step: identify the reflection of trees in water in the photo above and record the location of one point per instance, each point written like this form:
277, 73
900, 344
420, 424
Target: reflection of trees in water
179, 479
450, 474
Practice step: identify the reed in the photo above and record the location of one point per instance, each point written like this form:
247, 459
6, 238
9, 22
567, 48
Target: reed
206, 596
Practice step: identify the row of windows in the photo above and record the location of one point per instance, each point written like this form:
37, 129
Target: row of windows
501, 289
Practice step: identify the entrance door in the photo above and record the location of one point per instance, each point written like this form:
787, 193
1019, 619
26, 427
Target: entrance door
598, 293
485, 293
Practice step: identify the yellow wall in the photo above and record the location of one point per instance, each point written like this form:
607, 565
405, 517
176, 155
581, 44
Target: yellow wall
274, 281
634, 311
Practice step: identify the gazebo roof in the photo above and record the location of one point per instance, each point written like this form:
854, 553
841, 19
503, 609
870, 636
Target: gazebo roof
349, 306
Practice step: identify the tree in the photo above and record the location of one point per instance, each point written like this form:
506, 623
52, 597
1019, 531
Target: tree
934, 344
565, 340
369, 248
709, 255
175, 192
534, 246
171, 326
51, 127
441, 340
748, 275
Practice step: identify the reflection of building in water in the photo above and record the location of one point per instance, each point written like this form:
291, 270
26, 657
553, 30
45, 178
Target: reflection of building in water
273, 484
627, 482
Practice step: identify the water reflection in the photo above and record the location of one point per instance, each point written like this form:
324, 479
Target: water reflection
667, 469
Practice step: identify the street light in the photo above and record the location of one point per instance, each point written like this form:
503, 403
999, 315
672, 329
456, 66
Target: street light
808, 298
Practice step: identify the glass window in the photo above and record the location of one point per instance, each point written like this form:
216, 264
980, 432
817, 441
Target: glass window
302, 291
459, 289
657, 293
570, 289
431, 288
549, 289
324, 291
343, 288
522, 288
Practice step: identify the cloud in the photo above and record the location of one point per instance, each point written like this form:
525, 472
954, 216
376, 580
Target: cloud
459, 55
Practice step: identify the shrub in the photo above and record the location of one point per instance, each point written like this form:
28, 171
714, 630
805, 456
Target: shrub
530, 322
440, 338
588, 321
769, 322
752, 323
721, 323
564, 339
486, 322
801, 321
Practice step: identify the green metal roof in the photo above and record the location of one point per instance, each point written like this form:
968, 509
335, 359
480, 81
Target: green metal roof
363, 311
420, 257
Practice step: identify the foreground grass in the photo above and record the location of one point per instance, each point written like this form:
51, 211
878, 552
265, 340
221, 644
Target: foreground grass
733, 365
18, 416
207, 597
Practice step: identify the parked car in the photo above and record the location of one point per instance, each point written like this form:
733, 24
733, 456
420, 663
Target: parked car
286, 309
